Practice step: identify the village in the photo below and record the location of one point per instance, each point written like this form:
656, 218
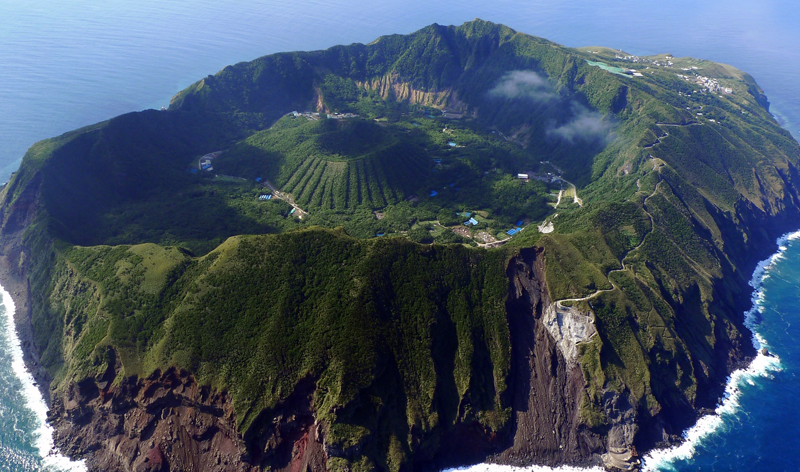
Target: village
476, 227
315, 116
477, 223
636, 59
712, 85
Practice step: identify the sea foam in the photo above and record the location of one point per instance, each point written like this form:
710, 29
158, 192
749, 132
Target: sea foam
533, 468
52, 460
762, 366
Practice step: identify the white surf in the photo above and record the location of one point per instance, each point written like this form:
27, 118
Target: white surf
52, 460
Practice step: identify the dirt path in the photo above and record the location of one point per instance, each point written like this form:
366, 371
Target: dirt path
286, 198
679, 125
497, 243
575, 197
571, 191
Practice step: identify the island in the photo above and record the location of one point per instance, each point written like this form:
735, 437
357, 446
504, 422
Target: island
461, 245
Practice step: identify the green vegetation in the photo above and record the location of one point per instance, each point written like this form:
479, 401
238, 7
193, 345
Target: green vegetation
382, 320
405, 336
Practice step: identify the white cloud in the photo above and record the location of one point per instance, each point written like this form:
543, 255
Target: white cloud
585, 125
523, 84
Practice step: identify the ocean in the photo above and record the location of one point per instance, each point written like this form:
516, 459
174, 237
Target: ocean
70, 63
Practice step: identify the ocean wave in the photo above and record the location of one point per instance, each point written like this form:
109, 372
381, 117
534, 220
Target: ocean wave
533, 468
761, 367
52, 460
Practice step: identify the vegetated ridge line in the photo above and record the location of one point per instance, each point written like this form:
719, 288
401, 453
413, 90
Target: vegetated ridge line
560, 303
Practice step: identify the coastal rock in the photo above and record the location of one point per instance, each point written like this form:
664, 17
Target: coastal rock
168, 422
164, 422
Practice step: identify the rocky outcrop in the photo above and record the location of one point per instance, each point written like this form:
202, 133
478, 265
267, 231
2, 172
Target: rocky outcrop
390, 87
569, 326
168, 422
164, 422
289, 437
547, 389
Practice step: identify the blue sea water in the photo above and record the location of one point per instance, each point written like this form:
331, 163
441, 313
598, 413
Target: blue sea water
70, 63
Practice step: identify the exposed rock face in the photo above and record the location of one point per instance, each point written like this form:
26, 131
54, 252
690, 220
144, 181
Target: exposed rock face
569, 326
168, 422
547, 389
390, 87
289, 438
165, 422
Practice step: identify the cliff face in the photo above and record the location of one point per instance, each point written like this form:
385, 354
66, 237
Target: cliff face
169, 422
15, 262
391, 87
546, 389
164, 422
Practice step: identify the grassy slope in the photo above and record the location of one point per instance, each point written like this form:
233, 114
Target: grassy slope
259, 314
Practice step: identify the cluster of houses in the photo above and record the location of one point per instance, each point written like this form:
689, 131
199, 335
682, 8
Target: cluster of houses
630, 58
712, 85
315, 116
548, 178
473, 222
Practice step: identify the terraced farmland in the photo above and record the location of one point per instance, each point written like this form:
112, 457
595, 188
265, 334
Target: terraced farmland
334, 164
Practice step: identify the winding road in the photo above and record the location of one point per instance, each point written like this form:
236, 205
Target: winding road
286, 198
656, 168
560, 303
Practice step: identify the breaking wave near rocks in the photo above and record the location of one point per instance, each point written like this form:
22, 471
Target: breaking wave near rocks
26, 442
764, 366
